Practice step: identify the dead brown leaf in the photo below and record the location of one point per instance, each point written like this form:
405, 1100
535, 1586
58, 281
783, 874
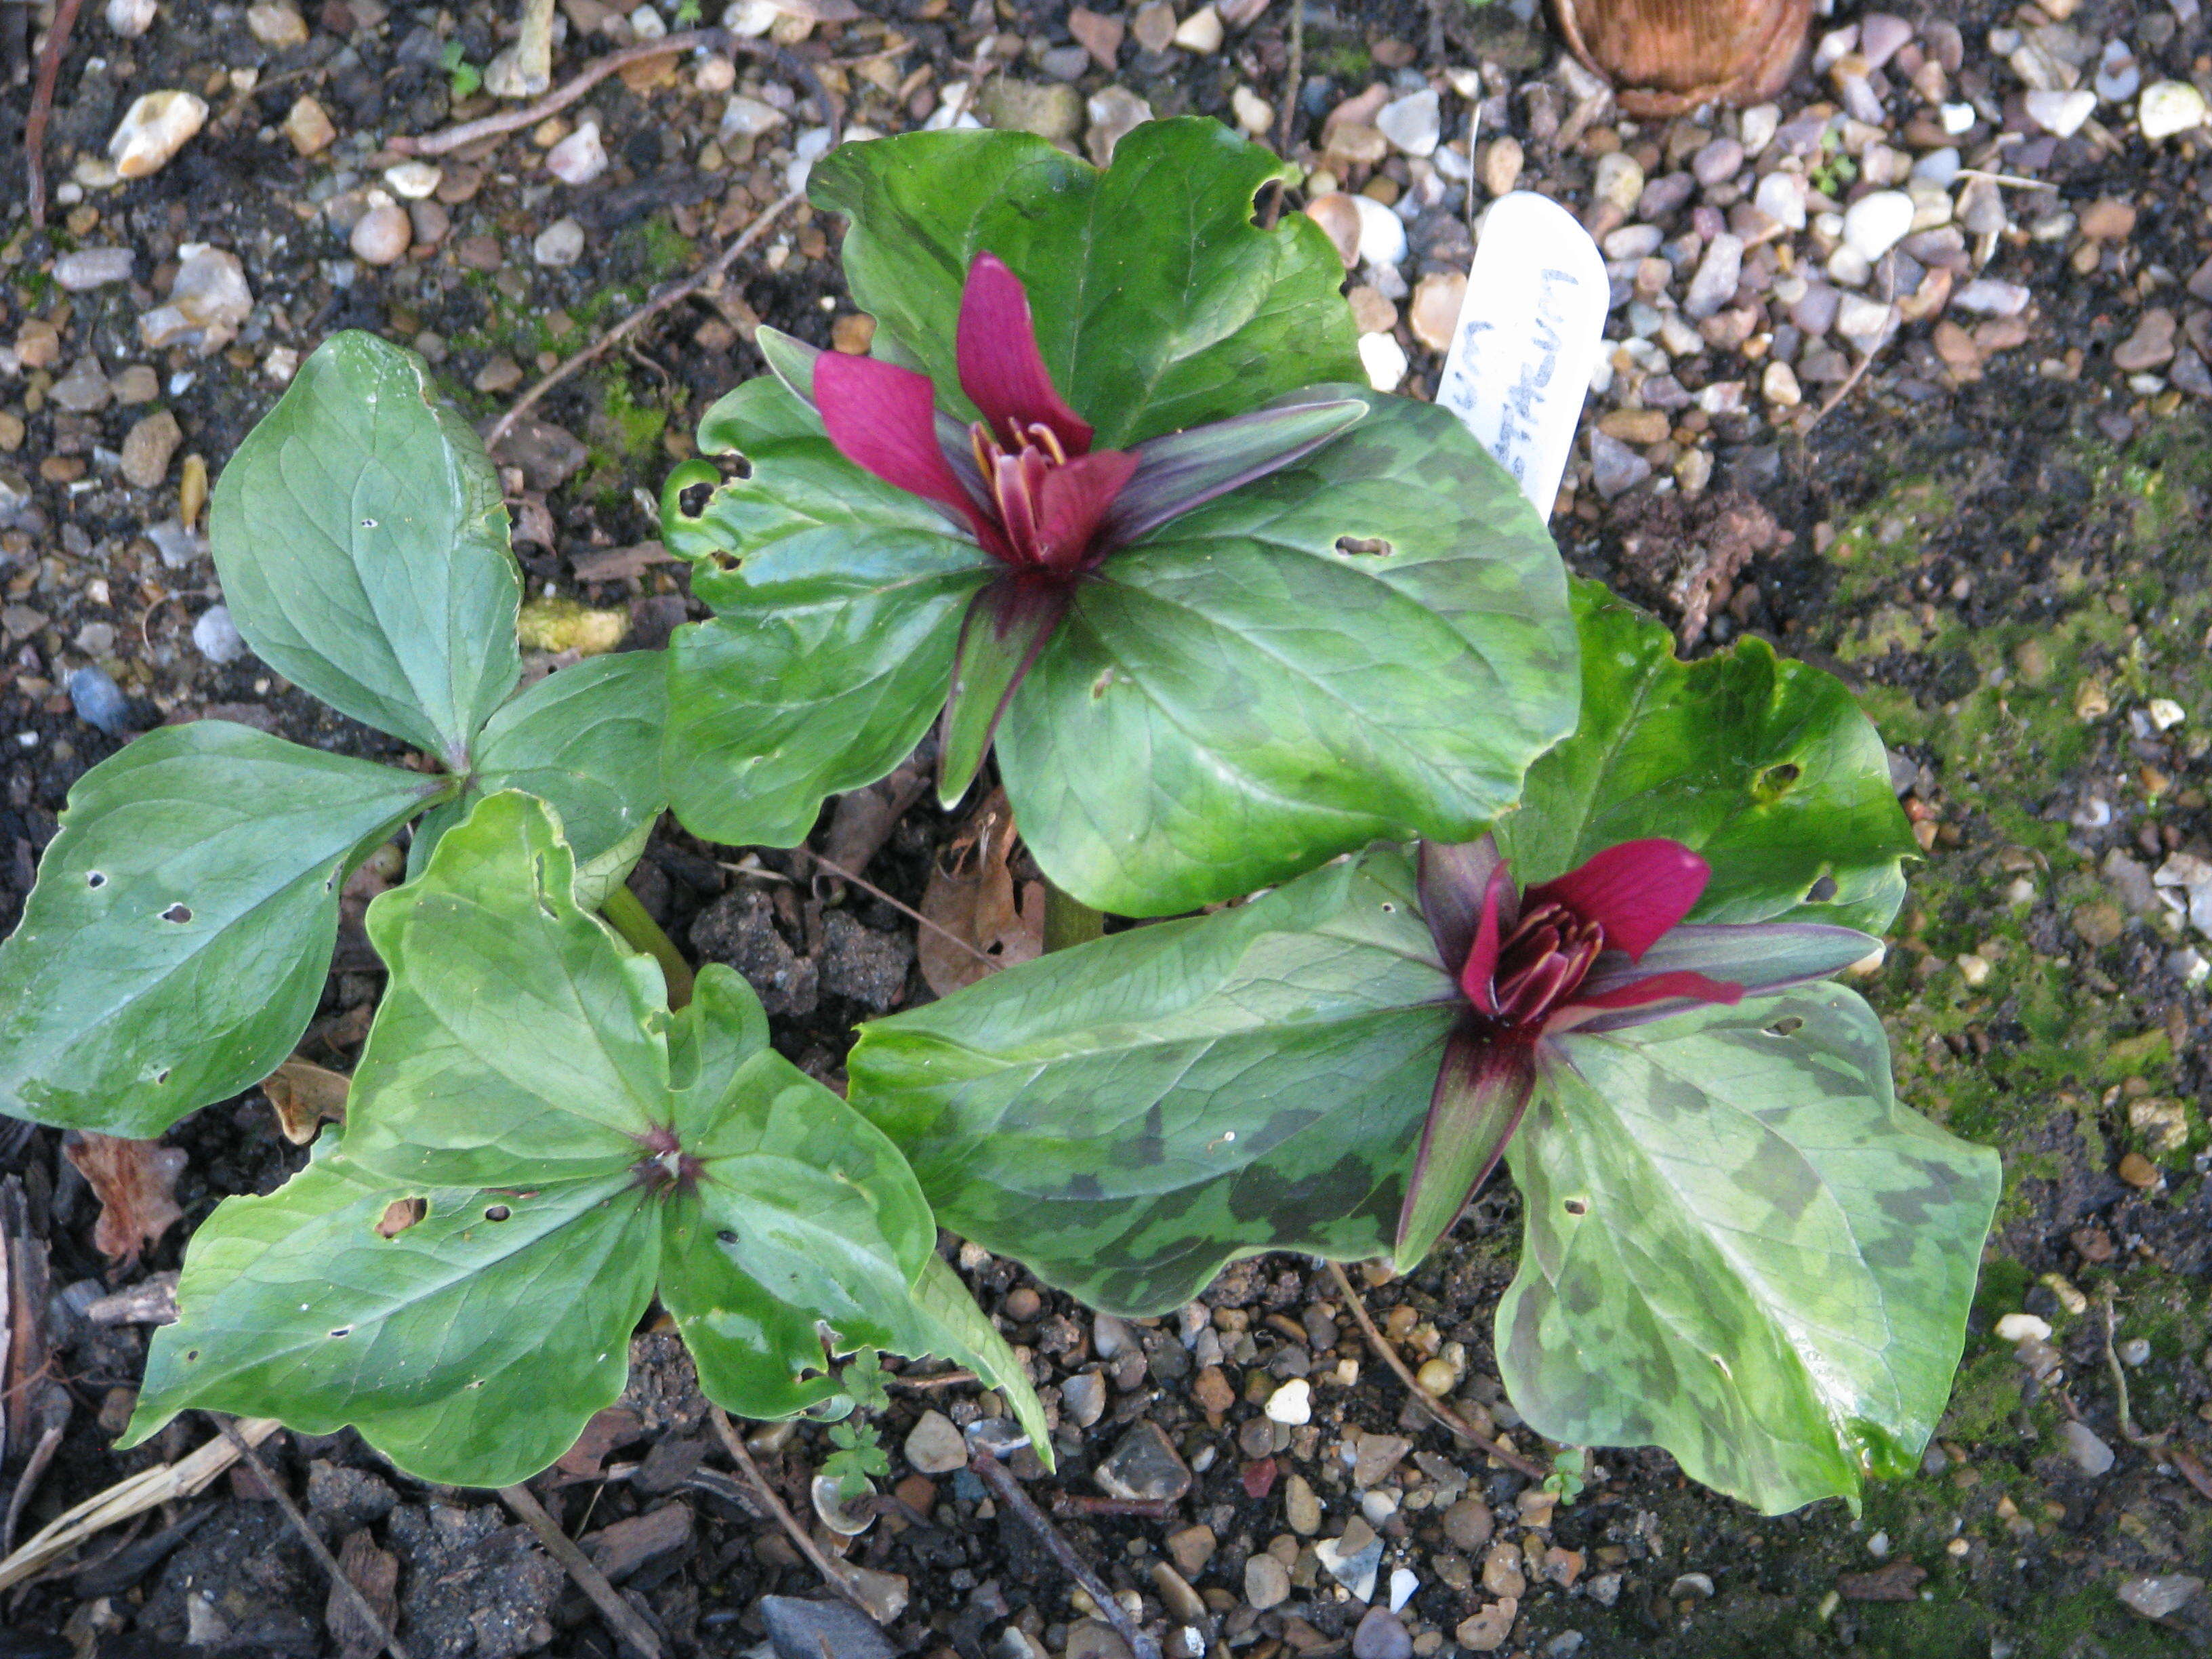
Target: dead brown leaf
376, 1573
1898, 1582
134, 1181
986, 925
305, 1097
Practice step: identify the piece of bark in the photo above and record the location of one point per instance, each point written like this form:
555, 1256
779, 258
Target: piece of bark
376, 1573
1665, 56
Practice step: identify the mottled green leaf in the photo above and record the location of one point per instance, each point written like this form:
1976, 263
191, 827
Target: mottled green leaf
1740, 1247
1373, 643
1159, 302
1766, 767
177, 941
532, 1143
363, 549
1127, 1116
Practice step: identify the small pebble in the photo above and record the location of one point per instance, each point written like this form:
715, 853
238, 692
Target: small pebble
2061, 113
131, 18
1292, 1403
1266, 1583
1199, 33
1412, 123
578, 158
1384, 360
276, 25
2135, 1352
1084, 1396
560, 243
380, 236
2090, 1454
2169, 107
1379, 1635
1876, 223
1381, 233
309, 127
2159, 1596
934, 1446
93, 267
216, 637
153, 129
148, 448
414, 181
97, 702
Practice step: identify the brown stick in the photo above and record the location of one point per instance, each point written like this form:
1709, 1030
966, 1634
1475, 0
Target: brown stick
620, 1617
1008, 1490
1435, 1408
42, 108
1296, 74
741, 1456
645, 313
529, 115
316, 1547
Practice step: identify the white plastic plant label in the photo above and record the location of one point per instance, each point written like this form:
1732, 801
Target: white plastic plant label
1528, 339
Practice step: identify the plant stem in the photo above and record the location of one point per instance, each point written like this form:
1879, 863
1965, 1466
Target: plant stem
628, 917
1069, 920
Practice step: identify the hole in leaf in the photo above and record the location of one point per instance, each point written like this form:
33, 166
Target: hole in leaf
725, 561
735, 467
161, 1075
475, 1383
193, 1355
401, 1214
1786, 1026
498, 1212
1821, 890
94, 878
692, 501
343, 1331
1776, 782
726, 1237
1578, 1206
1267, 202
1389, 909
178, 913
1370, 547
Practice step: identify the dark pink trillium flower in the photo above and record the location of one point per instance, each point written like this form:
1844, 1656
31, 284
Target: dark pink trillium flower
1024, 480
1600, 948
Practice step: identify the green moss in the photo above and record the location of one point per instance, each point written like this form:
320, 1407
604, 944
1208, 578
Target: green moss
658, 245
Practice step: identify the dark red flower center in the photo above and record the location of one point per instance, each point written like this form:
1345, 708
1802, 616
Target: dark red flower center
1541, 963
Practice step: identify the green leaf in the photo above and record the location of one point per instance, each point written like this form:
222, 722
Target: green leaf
1250, 1080
1740, 1247
176, 943
533, 1144
1159, 303
585, 739
1766, 767
841, 600
1373, 643
363, 549
468, 1351
960, 1330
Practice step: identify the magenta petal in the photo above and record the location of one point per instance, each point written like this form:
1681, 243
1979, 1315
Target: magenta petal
1482, 1089
1636, 891
1071, 501
1001, 369
1479, 972
883, 419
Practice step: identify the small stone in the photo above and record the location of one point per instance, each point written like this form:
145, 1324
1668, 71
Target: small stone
1778, 386
1614, 467
2090, 1454
1379, 1454
1486, 1630
1292, 1403
1501, 161
1353, 1559
1301, 1509
1501, 1574
2139, 1171
1098, 34
1717, 274
1051, 110
380, 235
2151, 344
1145, 1467
1989, 297
1084, 1397
560, 243
93, 267
1111, 1337
1877, 222
804, 1628
308, 126
1154, 26
1781, 196
276, 25
748, 117
153, 129
1434, 313
2168, 107
934, 1446
216, 637
1865, 323
1379, 1635
1412, 123
1199, 33
83, 389
2159, 1596
97, 702
2107, 219
2135, 1352
1699, 1584
1255, 116
2162, 1123
1266, 1583
1718, 162
208, 303
1384, 360
1334, 212
1371, 312
131, 18
1618, 182
1468, 1524
2060, 113
1191, 1548
2098, 924
1115, 113
578, 158
148, 448
11, 439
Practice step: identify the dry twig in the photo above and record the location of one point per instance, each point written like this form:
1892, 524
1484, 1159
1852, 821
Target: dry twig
1435, 1408
620, 1617
1008, 1490
705, 276
316, 1547
2128, 1432
741, 1455
42, 109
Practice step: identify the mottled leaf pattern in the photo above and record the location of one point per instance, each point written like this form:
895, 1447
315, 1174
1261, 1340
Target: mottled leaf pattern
1765, 766
1740, 1247
533, 1144
178, 938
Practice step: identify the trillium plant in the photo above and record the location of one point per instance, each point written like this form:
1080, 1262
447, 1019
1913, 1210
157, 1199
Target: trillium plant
1446, 865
